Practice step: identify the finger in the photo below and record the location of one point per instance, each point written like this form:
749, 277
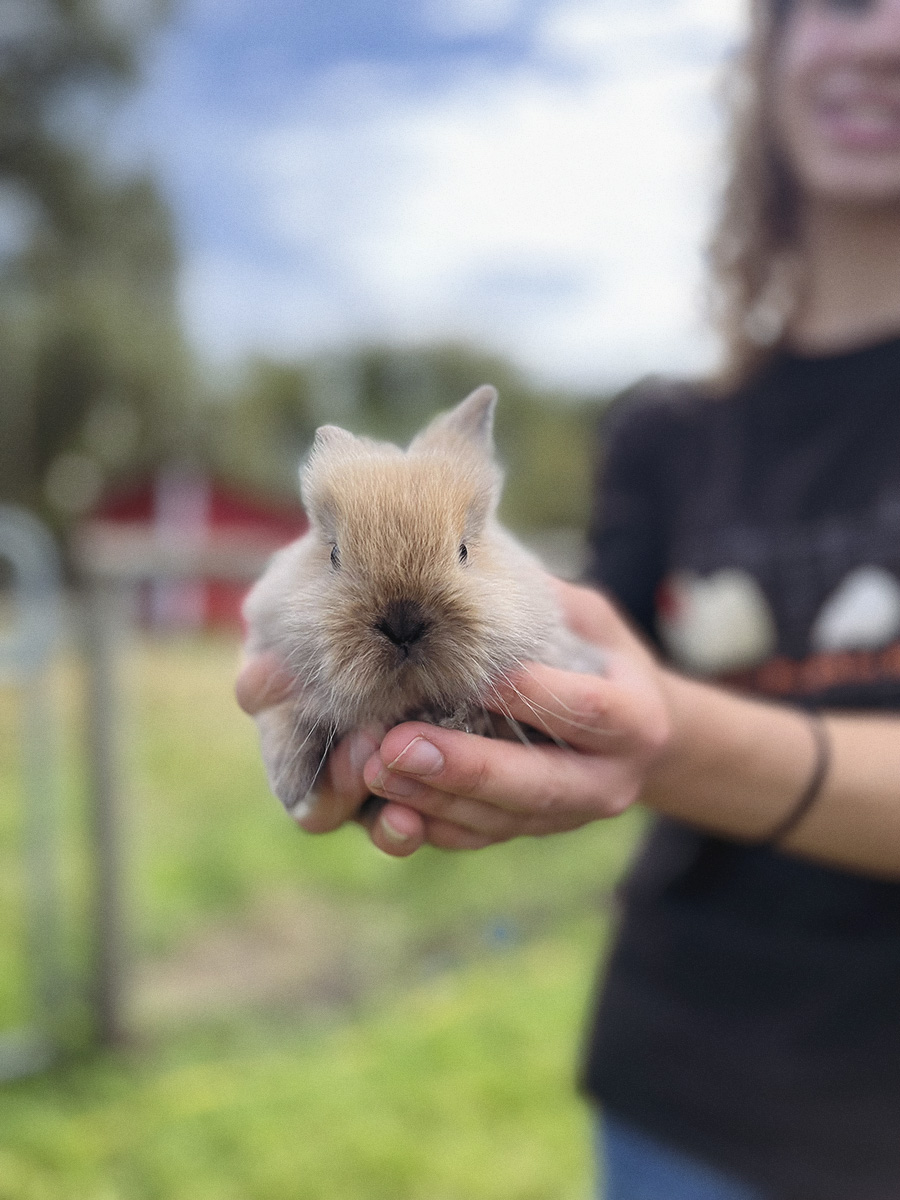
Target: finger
472, 816
445, 836
489, 820
519, 779
262, 682
342, 788
398, 831
477, 817
594, 714
593, 616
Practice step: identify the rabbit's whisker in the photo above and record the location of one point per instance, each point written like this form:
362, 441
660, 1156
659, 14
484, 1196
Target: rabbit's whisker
514, 725
297, 751
540, 722
329, 742
556, 715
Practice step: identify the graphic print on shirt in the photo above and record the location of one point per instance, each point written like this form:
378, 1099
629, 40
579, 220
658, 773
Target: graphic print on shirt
863, 614
719, 622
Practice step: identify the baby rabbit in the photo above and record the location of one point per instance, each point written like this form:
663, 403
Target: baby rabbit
406, 600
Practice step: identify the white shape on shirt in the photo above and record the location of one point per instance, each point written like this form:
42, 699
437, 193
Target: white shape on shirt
863, 613
720, 622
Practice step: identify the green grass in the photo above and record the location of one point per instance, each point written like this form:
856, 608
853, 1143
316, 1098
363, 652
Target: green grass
458, 1090
311, 1018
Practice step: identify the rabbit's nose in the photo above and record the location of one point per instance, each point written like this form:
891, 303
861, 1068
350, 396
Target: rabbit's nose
403, 623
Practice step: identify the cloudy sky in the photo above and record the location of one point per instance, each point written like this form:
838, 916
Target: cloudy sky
530, 175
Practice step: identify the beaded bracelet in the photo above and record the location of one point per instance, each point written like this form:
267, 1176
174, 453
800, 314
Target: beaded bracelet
813, 789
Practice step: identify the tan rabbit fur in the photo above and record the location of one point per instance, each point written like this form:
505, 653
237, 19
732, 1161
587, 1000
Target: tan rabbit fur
405, 600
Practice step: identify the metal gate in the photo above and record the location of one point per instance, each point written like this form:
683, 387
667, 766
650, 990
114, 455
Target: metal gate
29, 641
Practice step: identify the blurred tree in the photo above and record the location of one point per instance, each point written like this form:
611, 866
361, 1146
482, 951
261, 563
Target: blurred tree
93, 368
261, 430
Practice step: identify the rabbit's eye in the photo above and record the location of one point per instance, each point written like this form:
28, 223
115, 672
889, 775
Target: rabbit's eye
463, 552
335, 557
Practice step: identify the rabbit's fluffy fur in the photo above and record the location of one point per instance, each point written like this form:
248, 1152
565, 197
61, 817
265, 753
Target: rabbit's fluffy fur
405, 600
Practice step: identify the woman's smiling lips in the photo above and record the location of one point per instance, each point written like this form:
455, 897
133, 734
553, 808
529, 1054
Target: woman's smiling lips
858, 115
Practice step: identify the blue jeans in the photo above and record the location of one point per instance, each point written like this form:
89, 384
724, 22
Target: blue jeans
637, 1167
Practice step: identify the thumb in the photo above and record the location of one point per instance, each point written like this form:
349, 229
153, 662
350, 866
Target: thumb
594, 617
262, 683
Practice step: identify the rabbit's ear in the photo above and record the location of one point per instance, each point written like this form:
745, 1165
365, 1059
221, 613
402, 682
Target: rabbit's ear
332, 436
470, 423
331, 444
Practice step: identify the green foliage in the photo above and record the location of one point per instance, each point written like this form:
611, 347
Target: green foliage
95, 377
87, 306
258, 433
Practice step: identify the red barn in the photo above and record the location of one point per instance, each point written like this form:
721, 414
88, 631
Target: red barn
187, 509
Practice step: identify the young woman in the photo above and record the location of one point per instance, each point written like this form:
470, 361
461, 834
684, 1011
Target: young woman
747, 1043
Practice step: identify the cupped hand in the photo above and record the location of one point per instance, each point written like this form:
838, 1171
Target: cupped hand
262, 684
458, 791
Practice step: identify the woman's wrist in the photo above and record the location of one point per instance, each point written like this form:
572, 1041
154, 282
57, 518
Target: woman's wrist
733, 765
747, 769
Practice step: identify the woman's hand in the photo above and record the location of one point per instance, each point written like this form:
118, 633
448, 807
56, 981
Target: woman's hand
725, 763
459, 791
263, 683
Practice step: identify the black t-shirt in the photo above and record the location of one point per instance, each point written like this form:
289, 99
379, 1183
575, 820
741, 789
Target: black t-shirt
751, 1010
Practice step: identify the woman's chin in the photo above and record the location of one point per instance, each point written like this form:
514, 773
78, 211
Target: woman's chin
852, 179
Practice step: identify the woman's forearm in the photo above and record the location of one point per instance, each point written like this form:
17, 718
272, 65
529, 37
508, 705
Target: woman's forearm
737, 766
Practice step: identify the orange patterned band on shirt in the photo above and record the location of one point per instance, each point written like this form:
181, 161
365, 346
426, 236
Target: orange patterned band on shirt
782, 676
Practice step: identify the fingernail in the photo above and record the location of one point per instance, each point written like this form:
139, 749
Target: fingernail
361, 748
393, 835
419, 758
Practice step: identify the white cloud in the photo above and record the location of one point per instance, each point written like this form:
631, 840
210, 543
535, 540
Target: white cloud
589, 30
468, 18
556, 216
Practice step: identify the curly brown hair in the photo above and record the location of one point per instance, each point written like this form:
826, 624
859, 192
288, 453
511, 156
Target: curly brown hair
753, 249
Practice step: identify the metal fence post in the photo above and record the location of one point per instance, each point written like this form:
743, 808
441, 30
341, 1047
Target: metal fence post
25, 656
103, 626
112, 564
